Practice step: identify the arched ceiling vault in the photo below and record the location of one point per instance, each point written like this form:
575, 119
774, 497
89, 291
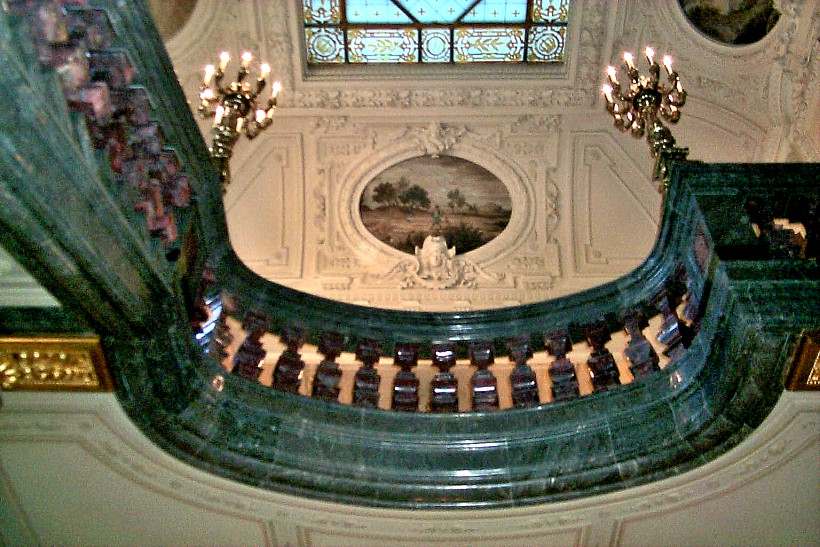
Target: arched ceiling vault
588, 207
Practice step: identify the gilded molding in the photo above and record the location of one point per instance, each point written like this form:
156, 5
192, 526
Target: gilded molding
53, 363
805, 373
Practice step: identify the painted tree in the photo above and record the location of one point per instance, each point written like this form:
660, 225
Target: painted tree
455, 199
415, 197
385, 194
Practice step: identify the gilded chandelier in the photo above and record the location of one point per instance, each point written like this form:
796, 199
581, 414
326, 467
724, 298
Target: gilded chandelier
234, 107
638, 107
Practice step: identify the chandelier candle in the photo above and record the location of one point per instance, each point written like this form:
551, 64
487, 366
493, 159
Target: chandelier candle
640, 106
234, 106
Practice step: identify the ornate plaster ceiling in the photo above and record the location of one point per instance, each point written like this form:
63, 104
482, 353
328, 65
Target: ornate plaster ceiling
584, 208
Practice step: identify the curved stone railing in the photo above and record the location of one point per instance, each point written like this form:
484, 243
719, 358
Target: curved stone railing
751, 289
599, 360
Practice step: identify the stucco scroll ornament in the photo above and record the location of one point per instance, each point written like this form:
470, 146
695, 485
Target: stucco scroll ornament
436, 138
552, 205
436, 266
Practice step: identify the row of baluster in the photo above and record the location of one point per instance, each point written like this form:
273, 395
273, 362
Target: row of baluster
601, 369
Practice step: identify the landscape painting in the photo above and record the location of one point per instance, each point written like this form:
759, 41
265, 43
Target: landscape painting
444, 196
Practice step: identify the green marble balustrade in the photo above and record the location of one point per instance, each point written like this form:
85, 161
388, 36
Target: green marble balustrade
62, 220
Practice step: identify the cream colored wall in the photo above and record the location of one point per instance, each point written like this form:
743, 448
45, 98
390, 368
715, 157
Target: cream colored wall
75, 471
18, 288
584, 207
170, 15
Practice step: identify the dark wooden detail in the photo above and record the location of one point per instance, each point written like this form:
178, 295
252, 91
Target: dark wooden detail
250, 354
562, 371
287, 376
484, 384
805, 372
522, 377
601, 363
674, 333
328, 374
643, 359
444, 387
406, 384
367, 380
220, 339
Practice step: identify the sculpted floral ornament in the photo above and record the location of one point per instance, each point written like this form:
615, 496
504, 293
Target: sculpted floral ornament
436, 266
436, 139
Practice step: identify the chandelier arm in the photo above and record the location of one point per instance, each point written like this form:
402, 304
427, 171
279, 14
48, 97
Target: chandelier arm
233, 107
641, 107
677, 99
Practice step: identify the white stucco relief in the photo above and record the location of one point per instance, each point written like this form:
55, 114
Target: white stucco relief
748, 103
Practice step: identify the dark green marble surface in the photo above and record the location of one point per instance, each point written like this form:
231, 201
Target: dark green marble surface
61, 220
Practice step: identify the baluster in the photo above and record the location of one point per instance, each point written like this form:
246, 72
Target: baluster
693, 310
249, 356
781, 242
674, 333
287, 376
199, 312
562, 371
522, 378
643, 360
809, 217
601, 363
328, 374
444, 388
484, 383
221, 338
406, 384
367, 379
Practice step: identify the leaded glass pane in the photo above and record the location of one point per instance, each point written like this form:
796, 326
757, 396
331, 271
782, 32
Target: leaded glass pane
436, 11
546, 44
550, 11
325, 45
382, 45
321, 11
497, 11
476, 44
374, 11
435, 45
435, 31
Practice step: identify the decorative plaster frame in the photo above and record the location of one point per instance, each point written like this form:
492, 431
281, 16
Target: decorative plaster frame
358, 122
370, 249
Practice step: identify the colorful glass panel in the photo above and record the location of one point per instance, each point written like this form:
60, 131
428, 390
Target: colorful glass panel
476, 44
546, 44
382, 45
435, 45
375, 11
435, 31
325, 45
550, 11
497, 11
434, 11
321, 11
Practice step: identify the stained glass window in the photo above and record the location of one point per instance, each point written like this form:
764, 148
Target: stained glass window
435, 31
